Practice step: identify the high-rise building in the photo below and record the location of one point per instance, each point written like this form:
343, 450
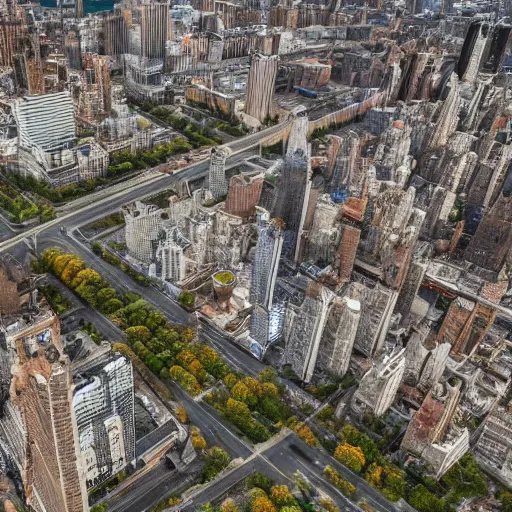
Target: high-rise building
155, 29
294, 188
493, 449
303, 329
260, 86
217, 174
95, 99
266, 263
116, 35
171, 254
35, 118
103, 403
379, 385
339, 335
38, 424
143, 224
377, 306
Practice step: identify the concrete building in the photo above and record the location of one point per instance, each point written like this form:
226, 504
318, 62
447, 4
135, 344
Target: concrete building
433, 433
493, 449
170, 253
155, 29
244, 194
303, 329
38, 425
378, 387
260, 86
103, 403
339, 335
377, 306
266, 263
217, 174
143, 224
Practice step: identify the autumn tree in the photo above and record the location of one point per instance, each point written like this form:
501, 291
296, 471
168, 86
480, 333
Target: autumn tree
338, 481
230, 380
185, 379
229, 505
262, 504
350, 456
281, 495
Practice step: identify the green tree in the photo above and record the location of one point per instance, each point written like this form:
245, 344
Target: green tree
216, 459
464, 479
111, 306
424, 501
138, 333
106, 294
259, 480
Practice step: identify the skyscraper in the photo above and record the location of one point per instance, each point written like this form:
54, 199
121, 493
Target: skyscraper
294, 187
103, 403
266, 264
260, 86
155, 29
217, 174
38, 422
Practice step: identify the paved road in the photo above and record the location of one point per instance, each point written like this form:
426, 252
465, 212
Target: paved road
150, 488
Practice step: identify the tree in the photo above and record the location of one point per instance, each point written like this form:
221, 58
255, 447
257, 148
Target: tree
138, 333
181, 414
229, 506
186, 299
424, 501
216, 459
100, 507
87, 276
338, 481
328, 505
74, 266
374, 475
212, 362
207, 507
230, 380
241, 393
185, 379
259, 480
352, 436
198, 441
350, 456
238, 413
304, 432
270, 390
106, 294
262, 504
464, 479
281, 495
268, 374
394, 485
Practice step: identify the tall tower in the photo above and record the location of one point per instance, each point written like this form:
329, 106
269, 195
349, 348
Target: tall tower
260, 86
38, 424
266, 264
294, 188
155, 29
217, 175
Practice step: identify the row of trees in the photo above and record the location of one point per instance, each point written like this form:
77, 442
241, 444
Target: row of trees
198, 137
152, 337
20, 209
243, 400
124, 161
106, 255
